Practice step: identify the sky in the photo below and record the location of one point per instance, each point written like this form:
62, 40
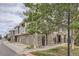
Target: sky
11, 14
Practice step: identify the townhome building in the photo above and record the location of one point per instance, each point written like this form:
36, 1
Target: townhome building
19, 34
11, 36
20, 30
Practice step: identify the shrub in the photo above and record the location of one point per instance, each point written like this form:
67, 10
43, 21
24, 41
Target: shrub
30, 46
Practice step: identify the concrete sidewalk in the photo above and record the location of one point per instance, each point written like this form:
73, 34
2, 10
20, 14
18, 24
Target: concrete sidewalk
22, 49
16, 47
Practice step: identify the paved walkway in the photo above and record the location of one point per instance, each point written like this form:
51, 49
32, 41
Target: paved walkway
22, 50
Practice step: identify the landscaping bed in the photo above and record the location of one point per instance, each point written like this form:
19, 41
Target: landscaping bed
59, 51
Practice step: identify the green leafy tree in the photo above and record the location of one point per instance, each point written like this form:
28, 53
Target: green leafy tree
45, 18
40, 21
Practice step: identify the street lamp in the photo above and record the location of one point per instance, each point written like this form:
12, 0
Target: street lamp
69, 39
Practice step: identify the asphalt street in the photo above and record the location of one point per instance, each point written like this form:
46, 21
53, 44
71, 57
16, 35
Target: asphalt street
5, 51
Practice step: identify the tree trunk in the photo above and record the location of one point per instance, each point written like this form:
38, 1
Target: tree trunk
72, 44
36, 40
73, 38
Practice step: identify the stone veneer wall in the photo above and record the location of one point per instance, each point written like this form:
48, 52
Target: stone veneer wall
29, 39
53, 39
50, 39
25, 39
39, 40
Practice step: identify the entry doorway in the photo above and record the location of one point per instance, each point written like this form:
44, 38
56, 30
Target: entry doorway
43, 40
59, 38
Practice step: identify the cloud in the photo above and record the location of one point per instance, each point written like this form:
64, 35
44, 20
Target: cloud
10, 15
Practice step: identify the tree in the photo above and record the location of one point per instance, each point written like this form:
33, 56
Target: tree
45, 18
40, 21
71, 10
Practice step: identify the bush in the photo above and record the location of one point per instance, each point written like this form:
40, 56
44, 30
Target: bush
30, 46
41, 53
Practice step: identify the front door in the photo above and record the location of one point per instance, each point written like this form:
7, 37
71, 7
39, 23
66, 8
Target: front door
59, 38
43, 40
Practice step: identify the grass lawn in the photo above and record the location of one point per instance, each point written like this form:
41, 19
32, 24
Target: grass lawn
59, 51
